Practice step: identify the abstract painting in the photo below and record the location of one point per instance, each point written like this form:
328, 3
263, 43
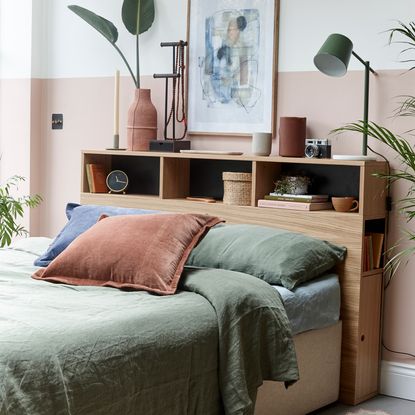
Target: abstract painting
232, 50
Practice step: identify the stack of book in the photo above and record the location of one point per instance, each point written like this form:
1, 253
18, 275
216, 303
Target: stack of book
97, 178
372, 251
295, 202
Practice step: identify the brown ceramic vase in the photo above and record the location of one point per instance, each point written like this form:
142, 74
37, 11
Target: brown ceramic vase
142, 121
292, 136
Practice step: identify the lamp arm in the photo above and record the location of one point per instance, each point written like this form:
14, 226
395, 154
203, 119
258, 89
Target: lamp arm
366, 99
366, 108
363, 62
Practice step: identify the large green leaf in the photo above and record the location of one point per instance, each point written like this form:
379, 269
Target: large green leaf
138, 15
103, 26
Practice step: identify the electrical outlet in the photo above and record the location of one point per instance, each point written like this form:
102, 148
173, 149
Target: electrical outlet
57, 121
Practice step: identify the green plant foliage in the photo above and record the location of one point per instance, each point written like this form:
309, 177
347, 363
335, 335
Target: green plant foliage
138, 15
403, 149
103, 26
12, 209
407, 33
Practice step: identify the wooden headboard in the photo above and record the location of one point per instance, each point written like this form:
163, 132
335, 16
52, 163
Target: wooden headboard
361, 291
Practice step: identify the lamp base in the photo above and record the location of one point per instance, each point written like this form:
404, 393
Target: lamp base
353, 157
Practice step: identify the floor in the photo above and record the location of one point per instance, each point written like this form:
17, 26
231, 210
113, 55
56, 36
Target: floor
380, 405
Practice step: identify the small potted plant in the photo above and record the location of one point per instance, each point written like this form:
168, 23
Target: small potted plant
293, 185
138, 17
12, 209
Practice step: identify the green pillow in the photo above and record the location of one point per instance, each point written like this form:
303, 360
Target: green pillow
274, 255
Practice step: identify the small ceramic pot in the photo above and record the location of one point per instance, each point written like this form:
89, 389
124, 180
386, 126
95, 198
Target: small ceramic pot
261, 144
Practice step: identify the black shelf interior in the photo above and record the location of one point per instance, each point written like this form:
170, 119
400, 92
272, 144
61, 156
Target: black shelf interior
327, 180
206, 176
143, 173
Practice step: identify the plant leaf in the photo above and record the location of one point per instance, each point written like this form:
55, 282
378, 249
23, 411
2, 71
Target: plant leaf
138, 15
103, 26
11, 209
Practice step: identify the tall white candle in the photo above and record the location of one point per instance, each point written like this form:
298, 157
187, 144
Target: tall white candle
117, 103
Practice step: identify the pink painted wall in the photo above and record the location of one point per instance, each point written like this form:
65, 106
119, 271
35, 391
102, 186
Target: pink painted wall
326, 102
20, 108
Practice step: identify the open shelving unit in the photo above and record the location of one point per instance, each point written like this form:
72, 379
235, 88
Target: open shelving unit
162, 181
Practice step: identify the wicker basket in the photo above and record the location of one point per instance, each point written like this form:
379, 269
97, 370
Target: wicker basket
237, 188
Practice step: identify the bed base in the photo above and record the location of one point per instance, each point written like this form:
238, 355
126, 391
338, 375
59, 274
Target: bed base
318, 354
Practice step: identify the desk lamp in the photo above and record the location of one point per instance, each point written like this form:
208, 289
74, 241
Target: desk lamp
333, 59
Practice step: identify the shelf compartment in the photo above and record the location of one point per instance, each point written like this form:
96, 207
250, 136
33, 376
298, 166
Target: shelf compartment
143, 173
206, 176
327, 179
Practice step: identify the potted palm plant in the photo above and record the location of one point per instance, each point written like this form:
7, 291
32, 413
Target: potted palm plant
403, 149
12, 209
137, 16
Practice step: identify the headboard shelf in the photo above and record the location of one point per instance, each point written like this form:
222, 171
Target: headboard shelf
164, 180
244, 157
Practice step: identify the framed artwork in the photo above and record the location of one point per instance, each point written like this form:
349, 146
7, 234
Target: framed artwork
232, 66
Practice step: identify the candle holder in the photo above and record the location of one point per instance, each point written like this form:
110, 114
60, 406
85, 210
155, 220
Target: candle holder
116, 142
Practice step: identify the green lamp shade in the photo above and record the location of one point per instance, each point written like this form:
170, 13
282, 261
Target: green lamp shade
334, 56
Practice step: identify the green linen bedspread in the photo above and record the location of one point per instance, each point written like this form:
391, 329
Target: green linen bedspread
93, 350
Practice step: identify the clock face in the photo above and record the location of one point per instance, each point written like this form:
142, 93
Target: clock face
117, 181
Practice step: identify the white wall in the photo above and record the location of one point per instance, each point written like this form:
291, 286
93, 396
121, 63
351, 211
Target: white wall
76, 50
71, 48
15, 38
306, 24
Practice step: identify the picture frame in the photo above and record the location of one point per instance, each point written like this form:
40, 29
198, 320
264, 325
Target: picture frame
232, 67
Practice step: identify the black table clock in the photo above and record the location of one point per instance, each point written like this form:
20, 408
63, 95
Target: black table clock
117, 181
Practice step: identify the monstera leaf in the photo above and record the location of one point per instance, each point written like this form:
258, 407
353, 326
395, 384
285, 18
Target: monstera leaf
138, 15
103, 26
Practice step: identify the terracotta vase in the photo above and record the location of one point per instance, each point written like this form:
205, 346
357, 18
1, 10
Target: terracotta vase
142, 121
292, 136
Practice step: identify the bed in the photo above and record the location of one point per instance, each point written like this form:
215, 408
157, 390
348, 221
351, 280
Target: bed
103, 325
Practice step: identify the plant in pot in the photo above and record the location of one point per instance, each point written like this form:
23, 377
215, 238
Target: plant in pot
12, 209
138, 17
293, 185
403, 149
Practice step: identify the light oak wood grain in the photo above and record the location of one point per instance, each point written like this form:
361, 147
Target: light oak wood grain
244, 157
360, 292
263, 178
175, 178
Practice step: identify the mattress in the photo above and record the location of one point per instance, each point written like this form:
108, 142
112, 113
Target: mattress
312, 305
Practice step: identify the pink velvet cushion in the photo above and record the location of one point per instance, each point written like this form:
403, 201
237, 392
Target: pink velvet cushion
141, 252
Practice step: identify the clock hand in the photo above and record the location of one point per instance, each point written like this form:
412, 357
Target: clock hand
120, 181
116, 179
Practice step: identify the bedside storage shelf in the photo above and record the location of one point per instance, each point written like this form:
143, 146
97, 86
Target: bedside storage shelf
162, 181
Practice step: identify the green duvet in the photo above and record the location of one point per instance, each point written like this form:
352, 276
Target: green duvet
88, 350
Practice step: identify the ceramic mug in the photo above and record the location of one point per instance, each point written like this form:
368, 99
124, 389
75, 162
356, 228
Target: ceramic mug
261, 144
345, 204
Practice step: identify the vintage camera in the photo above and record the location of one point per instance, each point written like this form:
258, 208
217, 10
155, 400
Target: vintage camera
317, 149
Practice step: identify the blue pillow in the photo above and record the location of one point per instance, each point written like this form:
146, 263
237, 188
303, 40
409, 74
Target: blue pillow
80, 219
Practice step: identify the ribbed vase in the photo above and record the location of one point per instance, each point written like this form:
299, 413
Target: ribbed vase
142, 121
